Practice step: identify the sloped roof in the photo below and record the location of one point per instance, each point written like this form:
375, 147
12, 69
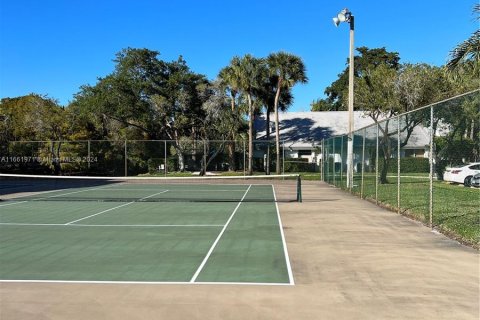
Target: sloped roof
302, 129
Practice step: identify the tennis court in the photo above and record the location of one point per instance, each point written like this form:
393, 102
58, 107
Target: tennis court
177, 231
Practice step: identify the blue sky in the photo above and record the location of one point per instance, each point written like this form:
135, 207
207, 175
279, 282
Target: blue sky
53, 47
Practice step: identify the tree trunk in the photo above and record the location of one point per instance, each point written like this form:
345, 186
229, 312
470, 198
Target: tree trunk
203, 163
181, 160
277, 127
209, 157
231, 146
267, 130
387, 151
472, 129
55, 152
384, 171
180, 155
250, 135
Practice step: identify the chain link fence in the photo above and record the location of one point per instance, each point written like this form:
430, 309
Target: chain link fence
400, 163
153, 157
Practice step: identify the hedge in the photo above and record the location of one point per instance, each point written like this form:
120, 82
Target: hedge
411, 165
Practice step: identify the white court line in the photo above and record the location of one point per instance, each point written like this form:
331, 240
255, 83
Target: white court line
12, 203
194, 278
64, 194
56, 195
179, 190
285, 251
123, 205
109, 225
43, 192
150, 282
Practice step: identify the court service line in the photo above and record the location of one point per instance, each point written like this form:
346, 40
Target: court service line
122, 205
285, 251
200, 268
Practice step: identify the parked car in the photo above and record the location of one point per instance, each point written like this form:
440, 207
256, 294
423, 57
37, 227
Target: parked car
476, 181
463, 174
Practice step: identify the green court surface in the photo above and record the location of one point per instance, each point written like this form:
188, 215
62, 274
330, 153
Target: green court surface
75, 235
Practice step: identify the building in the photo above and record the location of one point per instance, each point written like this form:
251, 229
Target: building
301, 133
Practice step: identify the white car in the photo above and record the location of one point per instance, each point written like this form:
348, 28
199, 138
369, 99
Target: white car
463, 174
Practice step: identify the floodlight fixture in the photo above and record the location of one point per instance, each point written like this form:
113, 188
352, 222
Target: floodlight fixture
343, 16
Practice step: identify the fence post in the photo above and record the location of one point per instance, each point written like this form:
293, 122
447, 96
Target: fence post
376, 168
165, 155
283, 160
363, 161
327, 163
334, 171
341, 158
244, 158
322, 158
398, 164
88, 154
126, 159
430, 160
204, 159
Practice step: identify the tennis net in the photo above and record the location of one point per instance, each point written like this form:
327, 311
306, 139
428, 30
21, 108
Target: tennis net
272, 188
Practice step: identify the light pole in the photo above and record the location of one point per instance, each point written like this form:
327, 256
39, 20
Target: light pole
346, 16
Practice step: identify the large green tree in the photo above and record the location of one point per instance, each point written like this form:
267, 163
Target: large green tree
367, 59
267, 96
148, 98
289, 70
34, 118
229, 78
219, 123
250, 73
384, 92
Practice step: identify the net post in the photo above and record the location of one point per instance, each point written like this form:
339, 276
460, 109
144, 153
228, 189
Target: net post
299, 189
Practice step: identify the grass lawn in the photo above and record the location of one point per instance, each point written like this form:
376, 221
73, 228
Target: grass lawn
456, 209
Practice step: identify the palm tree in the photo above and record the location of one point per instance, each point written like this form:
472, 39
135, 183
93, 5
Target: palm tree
249, 73
467, 53
267, 97
289, 70
229, 79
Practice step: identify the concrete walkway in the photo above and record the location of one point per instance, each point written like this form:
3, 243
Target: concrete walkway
350, 259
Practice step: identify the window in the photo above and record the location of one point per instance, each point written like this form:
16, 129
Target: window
304, 153
416, 153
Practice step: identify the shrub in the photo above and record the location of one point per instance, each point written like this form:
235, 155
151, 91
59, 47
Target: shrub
411, 165
300, 165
